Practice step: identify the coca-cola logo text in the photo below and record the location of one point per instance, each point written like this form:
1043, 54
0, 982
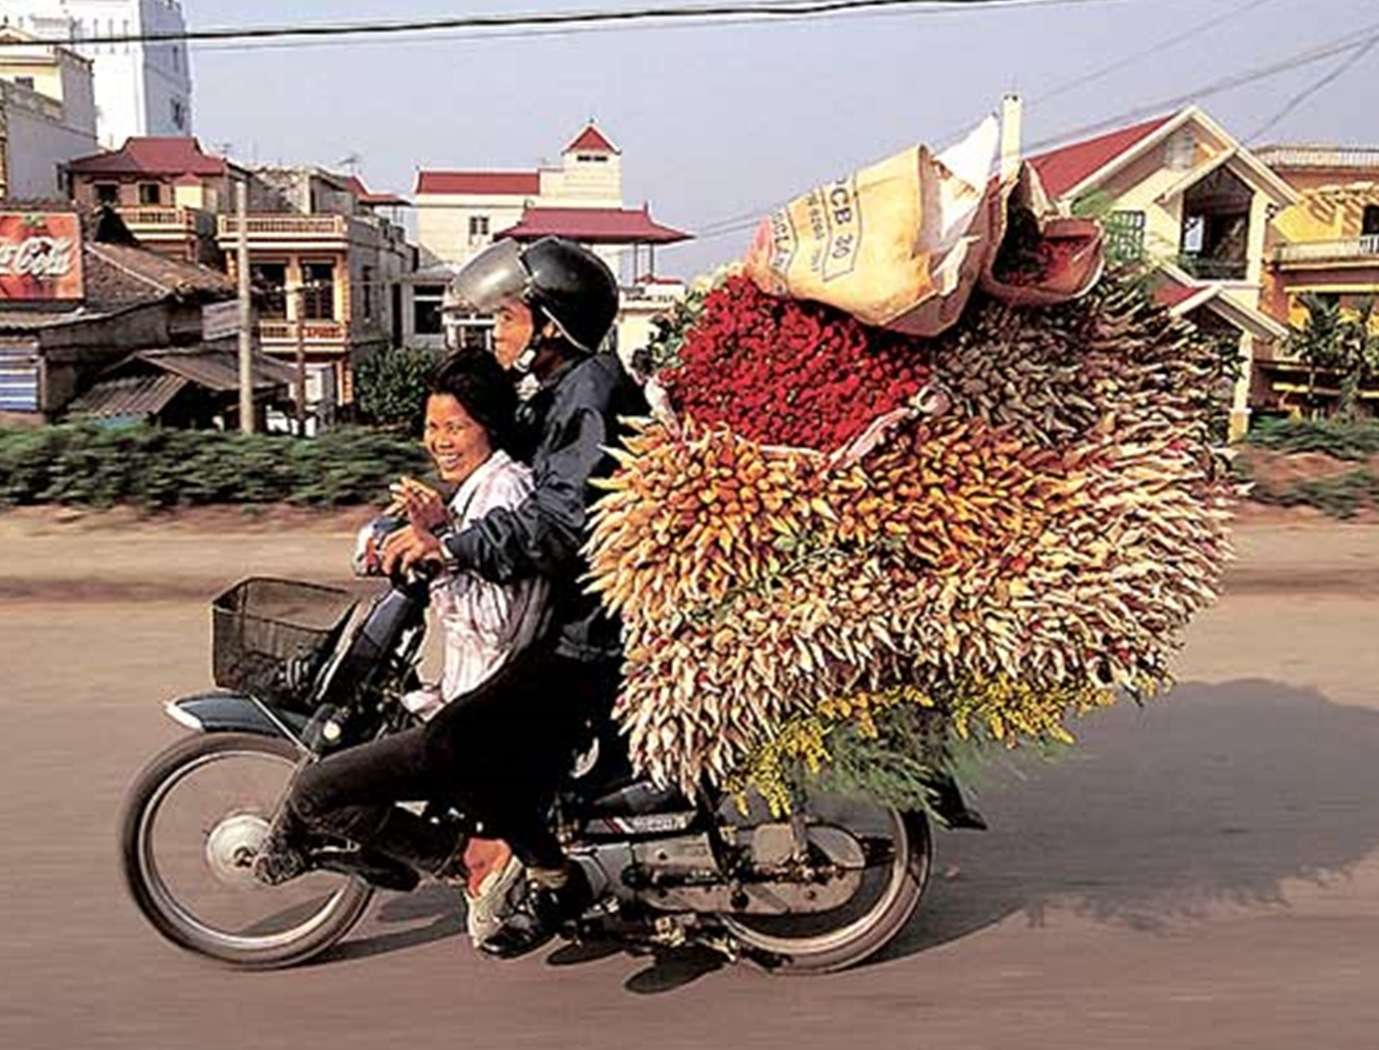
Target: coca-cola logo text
37, 257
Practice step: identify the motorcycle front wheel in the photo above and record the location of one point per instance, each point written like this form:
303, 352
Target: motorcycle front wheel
900, 851
192, 824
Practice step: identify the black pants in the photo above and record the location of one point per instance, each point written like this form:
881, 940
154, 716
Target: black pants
497, 754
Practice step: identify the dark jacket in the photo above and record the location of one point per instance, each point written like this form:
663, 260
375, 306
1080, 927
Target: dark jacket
567, 424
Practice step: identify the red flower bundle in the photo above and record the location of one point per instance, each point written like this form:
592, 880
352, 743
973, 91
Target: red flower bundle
789, 372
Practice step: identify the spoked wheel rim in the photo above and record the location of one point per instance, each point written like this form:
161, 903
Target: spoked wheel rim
888, 842
213, 867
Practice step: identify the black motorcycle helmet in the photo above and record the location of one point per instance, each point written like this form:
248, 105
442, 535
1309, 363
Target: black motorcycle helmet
569, 285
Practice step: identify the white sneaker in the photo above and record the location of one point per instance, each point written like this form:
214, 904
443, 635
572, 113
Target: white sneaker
499, 892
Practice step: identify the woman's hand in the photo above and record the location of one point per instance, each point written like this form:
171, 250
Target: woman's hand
405, 547
422, 504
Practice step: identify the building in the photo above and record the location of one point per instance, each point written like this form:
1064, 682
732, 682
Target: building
327, 264
1180, 194
459, 213
141, 89
92, 323
168, 191
1326, 245
47, 114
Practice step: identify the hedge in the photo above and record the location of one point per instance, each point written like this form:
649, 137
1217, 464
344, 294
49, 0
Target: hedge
1343, 440
150, 466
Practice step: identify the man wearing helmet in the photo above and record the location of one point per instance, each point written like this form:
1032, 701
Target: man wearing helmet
553, 304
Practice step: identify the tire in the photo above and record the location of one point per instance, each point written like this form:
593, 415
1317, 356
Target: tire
169, 917
829, 951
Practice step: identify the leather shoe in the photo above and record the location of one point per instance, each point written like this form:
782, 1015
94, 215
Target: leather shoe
539, 917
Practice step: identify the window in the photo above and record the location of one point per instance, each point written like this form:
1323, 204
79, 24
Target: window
179, 115
367, 282
478, 226
592, 158
150, 193
1369, 223
107, 193
319, 297
25, 82
176, 59
426, 309
269, 281
1194, 233
1125, 236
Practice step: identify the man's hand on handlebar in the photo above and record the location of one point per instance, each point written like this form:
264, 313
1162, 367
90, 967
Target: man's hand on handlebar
407, 547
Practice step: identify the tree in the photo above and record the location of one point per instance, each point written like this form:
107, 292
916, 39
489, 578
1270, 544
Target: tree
1335, 341
390, 387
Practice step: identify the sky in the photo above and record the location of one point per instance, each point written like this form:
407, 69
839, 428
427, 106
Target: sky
723, 122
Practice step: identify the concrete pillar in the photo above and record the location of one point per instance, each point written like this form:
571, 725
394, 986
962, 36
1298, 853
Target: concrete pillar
1240, 395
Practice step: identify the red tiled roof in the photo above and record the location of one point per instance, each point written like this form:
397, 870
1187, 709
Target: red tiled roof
1063, 168
498, 183
152, 156
1171, 294
594, 226
591, 138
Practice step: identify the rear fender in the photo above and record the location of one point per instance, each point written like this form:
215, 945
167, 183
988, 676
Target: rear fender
235, 713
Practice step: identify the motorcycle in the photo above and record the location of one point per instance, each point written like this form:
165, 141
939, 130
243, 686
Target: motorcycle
303, 671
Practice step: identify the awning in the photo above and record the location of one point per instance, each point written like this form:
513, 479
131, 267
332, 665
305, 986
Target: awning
145, 395
215, 369
146, 381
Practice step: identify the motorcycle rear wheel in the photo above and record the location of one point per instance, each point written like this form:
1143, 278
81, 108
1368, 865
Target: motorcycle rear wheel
226, 839
815, 944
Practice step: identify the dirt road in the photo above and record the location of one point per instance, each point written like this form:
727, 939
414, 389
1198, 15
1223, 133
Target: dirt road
1204, 873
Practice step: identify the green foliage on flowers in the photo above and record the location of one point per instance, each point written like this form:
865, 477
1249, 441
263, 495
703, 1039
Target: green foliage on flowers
153, 467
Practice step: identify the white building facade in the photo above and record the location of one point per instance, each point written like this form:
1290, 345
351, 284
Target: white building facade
459, 213
47, 115
141, 89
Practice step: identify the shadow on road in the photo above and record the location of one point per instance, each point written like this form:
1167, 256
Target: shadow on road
1211, 796
443, 905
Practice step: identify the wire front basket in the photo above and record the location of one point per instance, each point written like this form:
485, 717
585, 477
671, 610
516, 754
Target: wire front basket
270, 637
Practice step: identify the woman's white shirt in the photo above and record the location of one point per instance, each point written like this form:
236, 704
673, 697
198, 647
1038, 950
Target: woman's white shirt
485, 623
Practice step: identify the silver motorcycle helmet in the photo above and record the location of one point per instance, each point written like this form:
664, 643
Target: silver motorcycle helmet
573, 288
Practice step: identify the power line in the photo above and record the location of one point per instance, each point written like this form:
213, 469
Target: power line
1362, 37
1154, 49
733, 222
778, 9
1317, 85
1362, 44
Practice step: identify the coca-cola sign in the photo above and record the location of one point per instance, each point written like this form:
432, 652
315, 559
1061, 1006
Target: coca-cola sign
40, 256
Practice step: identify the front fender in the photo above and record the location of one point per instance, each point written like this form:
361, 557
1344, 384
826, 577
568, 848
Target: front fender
223, 712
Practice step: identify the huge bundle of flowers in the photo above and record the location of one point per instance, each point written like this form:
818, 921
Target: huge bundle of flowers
853, 555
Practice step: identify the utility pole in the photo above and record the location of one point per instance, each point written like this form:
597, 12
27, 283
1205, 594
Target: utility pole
246, 313
299, 298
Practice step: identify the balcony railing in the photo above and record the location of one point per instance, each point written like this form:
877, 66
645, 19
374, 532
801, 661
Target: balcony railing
1363, 248
312, 331
165, 218
275, 227
1206, 268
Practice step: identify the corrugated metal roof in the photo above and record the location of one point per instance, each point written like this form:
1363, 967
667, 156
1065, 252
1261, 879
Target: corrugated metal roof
129, 396
217, 369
